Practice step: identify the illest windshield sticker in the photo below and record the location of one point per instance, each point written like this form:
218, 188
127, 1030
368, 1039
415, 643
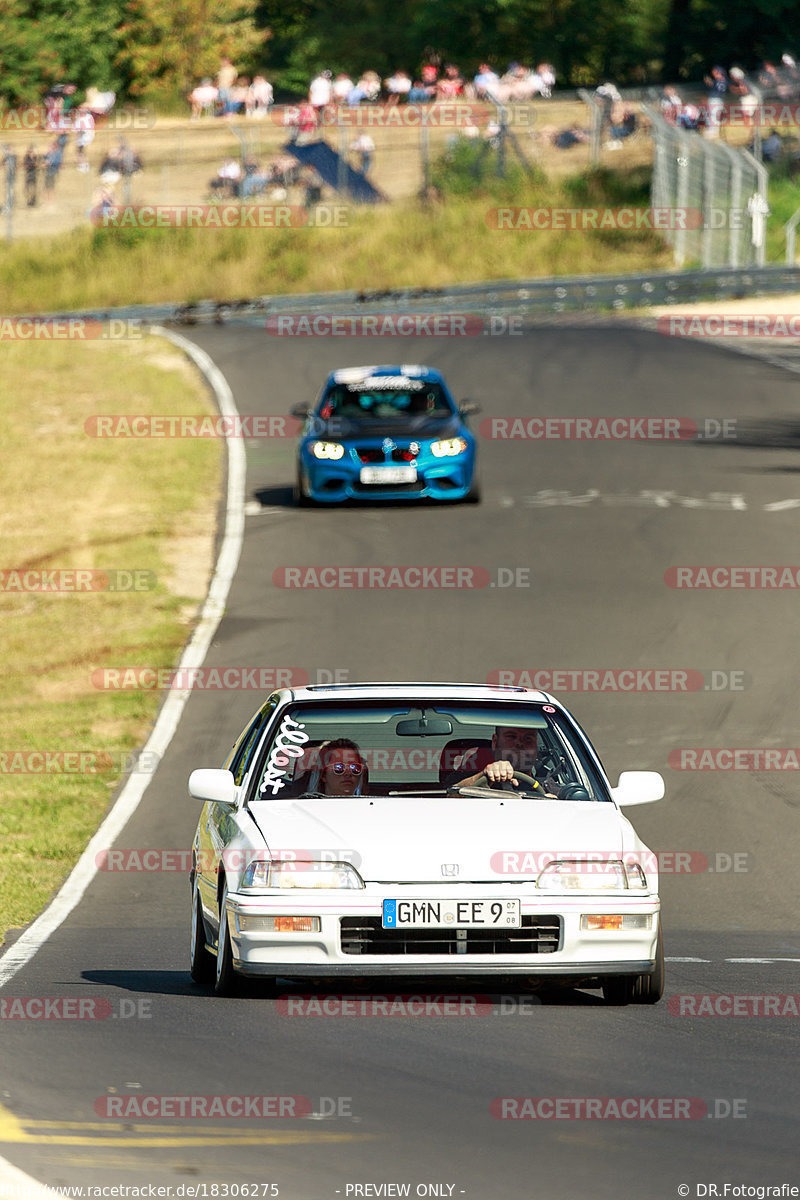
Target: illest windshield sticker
287, 745
548, 708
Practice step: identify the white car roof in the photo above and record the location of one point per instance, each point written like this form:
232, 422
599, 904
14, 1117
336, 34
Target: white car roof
422, 691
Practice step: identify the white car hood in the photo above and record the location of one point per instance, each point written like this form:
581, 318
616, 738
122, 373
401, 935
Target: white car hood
411, 839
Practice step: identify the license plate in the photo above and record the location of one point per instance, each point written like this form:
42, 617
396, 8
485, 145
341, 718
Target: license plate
388, 475
451, 914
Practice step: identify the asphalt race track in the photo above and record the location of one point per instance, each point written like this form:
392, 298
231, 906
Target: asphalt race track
592, 528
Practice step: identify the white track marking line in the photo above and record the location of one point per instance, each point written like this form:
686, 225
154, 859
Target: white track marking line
22, 951
84, 871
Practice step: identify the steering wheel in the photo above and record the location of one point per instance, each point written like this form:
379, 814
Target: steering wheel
530, 784
574, 791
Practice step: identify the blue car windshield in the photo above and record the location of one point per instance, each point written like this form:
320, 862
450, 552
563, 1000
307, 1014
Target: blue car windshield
361, 402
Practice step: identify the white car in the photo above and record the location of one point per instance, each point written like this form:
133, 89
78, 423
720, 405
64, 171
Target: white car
423, 830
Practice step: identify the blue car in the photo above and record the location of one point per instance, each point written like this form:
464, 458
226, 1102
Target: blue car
388, 433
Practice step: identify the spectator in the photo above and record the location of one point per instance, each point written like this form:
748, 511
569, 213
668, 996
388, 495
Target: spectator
99, 103
789, 83
342, 87
237, 97
228, 178
254, 180
319, 93
745, 98
84, 135
226, 78
485, 82
397, 86
305, 130
717, 87
368, 88
607, 96
102, 204
30, 168
624, 128
111, 167
365, 147
52, 163
565, 139
203, 99
547, 75
130, 162
771, 147
259, 97
768, 77
671, 104
424, 89
451, 85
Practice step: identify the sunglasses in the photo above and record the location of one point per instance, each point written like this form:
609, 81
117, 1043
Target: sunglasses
340, 768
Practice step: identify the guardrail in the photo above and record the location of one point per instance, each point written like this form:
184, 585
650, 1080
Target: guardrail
524, 298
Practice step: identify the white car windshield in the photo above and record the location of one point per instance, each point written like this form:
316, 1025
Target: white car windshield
425, 748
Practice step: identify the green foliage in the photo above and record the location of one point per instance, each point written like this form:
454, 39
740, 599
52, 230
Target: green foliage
167, 47
471, 168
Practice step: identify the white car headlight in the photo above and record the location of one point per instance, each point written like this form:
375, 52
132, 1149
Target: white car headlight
584, 875
448, 448
327, 450
266, 874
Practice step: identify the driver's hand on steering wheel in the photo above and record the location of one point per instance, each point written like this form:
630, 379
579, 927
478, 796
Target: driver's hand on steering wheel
500, 772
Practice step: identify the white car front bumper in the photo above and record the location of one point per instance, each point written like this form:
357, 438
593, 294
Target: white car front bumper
350, 941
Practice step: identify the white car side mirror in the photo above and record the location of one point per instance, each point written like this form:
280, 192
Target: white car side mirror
638, 787
210, 783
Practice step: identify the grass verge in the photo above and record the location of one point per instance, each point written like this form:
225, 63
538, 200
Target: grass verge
410, 244
75, 501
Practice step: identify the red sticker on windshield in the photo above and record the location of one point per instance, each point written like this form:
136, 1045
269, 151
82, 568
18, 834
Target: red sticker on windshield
548, 708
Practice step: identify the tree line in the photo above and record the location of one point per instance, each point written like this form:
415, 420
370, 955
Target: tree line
153, 51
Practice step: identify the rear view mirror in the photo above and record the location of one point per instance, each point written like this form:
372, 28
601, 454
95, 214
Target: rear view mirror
300, 410
468, 407
638, 787
438, 727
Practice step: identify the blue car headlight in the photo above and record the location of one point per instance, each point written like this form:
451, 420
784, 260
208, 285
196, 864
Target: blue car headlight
448, 448
327, 450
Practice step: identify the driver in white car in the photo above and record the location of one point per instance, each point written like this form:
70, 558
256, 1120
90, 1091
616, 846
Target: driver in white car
513, 749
